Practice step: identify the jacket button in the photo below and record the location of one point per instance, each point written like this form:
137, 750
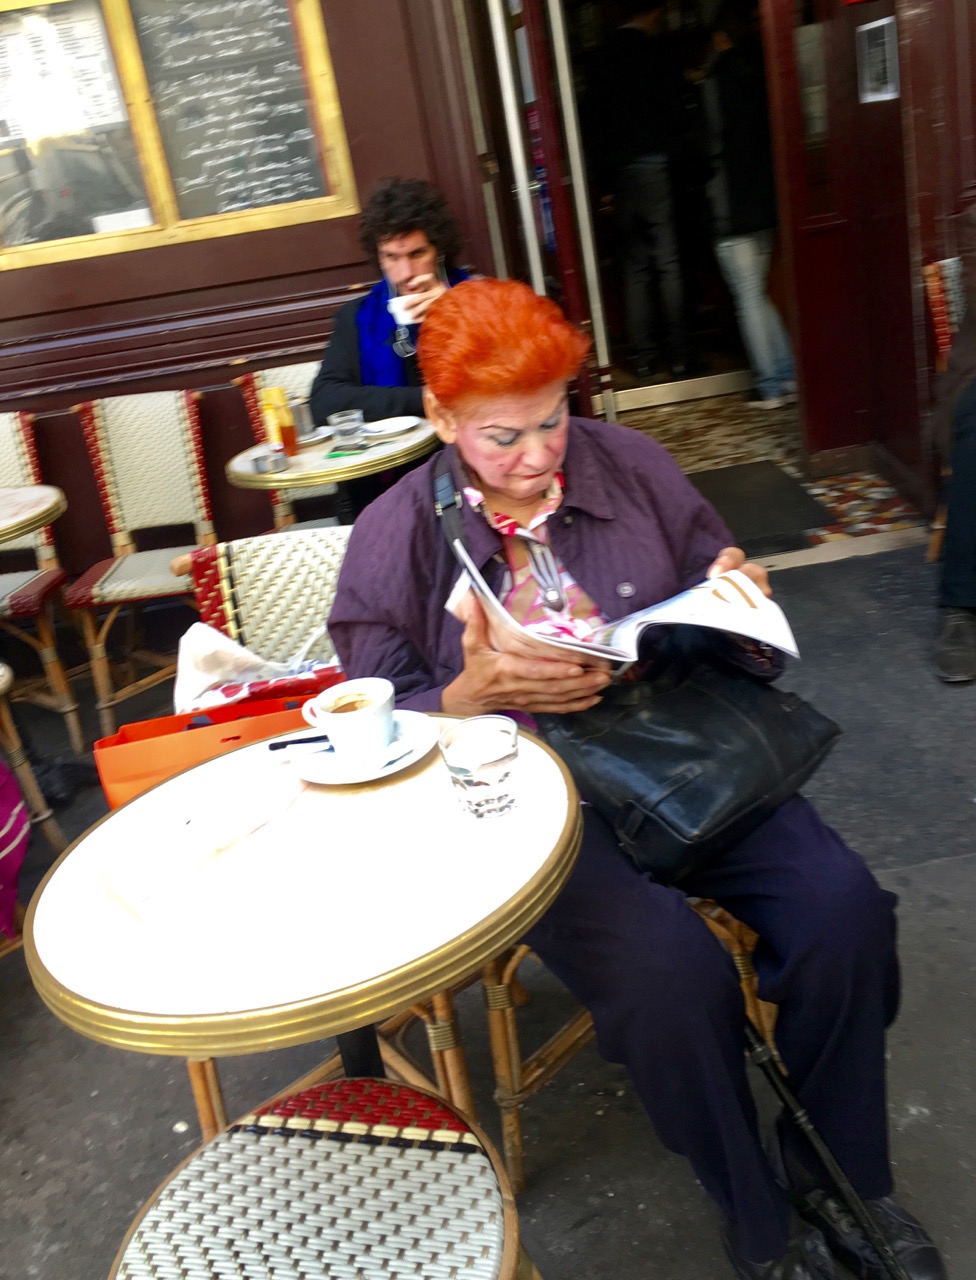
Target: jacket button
625, 589
567, 519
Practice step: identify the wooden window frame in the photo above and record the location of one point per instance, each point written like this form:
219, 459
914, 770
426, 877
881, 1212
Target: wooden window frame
169, 227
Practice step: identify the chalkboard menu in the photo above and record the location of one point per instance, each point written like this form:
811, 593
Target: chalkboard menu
229, 93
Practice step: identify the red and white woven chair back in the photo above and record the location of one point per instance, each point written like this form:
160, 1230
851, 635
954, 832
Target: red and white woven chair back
297, 381
147, 455
19, 466
271, 593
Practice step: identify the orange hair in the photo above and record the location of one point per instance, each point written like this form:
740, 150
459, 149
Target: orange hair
496, 337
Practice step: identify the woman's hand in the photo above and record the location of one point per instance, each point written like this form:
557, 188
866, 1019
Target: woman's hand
493, 681
735, 558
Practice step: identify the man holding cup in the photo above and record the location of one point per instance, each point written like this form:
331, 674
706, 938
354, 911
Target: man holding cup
410, 233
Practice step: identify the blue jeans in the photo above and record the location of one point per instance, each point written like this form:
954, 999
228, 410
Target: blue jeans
744, 261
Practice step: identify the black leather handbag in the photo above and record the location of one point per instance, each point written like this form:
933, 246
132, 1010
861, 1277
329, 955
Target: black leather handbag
686, 761
684, 764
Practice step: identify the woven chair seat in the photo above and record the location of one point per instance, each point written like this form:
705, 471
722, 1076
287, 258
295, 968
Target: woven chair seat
144, 575
22, 595
354, 1178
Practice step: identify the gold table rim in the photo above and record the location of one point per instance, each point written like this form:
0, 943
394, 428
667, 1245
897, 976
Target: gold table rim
333, 473
257, 1030
57, 507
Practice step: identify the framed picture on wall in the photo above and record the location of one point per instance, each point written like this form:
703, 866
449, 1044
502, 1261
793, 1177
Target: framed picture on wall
877, 61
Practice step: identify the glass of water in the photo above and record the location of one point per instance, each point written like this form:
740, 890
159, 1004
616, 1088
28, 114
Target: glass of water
348, 428
480, 755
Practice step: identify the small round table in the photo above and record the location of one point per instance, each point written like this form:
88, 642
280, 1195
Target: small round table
312, 465
238, 908
24, 508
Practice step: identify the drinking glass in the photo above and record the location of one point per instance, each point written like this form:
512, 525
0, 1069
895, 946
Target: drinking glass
480, 755
348, 428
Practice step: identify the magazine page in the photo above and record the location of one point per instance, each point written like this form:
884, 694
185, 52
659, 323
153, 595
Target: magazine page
504, 630
728, 602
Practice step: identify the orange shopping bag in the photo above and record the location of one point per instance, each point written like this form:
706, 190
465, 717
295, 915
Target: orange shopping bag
140, 755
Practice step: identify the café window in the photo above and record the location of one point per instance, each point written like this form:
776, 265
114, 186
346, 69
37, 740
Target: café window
130, 123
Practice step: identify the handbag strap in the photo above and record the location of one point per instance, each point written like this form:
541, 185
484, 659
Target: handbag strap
447, 502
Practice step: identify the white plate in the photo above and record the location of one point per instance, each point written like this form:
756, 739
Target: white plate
320, 433
413, 736
388, 427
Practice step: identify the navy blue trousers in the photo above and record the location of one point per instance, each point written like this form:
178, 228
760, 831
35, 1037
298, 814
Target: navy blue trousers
666, 1001
958, 585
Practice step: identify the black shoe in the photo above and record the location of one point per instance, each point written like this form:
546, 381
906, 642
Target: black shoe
823, 1208
806, 1258
689, 367
910, 1242
955, 649
650, 372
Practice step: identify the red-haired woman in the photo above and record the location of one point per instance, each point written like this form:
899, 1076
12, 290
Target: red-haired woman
620, 527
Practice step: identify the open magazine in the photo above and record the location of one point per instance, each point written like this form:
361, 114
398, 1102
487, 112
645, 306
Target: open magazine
728, 602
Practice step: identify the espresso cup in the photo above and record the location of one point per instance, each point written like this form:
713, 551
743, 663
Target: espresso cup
399, 308
357, 715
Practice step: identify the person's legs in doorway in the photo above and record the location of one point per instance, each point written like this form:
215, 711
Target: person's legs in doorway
651, 267
744, 262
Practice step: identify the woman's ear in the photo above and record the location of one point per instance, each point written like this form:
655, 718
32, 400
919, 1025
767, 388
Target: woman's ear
439, 418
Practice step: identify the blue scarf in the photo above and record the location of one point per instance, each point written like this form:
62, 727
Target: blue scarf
379, 364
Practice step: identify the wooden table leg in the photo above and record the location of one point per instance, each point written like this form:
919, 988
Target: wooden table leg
208, 1096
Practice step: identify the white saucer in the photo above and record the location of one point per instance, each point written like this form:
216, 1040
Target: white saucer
413, 735
388, 427
320, 433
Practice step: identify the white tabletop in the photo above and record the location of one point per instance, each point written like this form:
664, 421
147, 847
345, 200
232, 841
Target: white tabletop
235, 906
312, 465
24, 508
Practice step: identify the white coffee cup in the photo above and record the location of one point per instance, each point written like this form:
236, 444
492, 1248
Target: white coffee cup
399, 308
357, 715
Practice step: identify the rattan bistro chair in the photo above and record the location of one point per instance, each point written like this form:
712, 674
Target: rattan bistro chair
27, 597
270, 593
352, 1178
297, 381
33, 807
147, 455
520, 1074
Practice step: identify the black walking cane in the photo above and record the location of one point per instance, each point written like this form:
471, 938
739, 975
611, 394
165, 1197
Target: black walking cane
760, 1053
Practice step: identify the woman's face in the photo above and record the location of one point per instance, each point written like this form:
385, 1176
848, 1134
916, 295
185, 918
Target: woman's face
512, 444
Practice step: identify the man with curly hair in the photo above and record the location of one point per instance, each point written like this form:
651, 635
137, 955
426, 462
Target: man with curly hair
411, 235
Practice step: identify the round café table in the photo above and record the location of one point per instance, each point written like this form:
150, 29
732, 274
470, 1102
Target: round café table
24, 508
312, 465
237, 908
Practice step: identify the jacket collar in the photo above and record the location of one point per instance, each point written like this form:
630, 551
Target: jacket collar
585, 480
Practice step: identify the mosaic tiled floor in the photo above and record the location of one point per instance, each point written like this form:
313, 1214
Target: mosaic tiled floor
720, 432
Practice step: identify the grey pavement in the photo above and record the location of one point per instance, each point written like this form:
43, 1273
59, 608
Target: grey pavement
87, 1132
